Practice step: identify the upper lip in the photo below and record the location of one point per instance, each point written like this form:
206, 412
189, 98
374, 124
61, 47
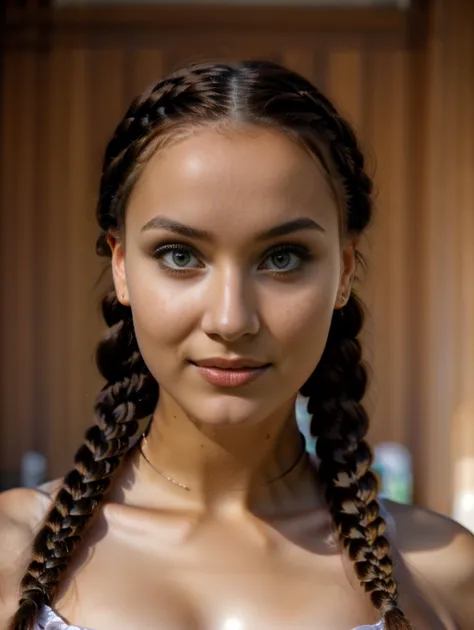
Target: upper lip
230, 364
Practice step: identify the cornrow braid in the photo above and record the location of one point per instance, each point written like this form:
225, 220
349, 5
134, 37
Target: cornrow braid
129, 395
340, 423
314, 117
181, 96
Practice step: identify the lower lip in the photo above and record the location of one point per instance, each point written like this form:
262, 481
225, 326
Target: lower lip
229, 378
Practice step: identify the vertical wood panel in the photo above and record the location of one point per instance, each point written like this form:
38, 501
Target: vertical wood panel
388, 275
84, 327
462, 421
146, 68
303, 61
344, 83
446, 290
26, 250
9, 222
55, 355
107, 99
18, 256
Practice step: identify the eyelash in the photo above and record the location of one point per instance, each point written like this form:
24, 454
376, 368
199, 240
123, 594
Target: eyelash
301, 251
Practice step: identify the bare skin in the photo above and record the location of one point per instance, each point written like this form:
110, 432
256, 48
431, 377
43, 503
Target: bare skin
241, 549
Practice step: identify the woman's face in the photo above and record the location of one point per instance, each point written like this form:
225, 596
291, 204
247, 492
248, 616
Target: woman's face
232, 251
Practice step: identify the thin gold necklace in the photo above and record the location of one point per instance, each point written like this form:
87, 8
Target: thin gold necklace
143, 440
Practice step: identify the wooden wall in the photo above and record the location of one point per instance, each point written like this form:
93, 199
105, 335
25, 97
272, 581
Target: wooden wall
444, 287
67, 78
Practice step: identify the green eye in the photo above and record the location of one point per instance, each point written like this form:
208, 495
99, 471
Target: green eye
287, 258
283, 260
176, 257
179, 258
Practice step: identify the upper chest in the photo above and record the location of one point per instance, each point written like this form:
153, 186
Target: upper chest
232, 576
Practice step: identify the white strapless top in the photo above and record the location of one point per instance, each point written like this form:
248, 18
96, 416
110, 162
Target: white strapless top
49, 620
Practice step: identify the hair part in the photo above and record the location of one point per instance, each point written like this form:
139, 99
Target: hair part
250, 92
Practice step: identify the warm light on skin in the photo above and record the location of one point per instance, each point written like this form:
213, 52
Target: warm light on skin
234, 185
222, 191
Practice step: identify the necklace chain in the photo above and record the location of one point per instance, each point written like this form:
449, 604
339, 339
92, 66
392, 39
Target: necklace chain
143, 441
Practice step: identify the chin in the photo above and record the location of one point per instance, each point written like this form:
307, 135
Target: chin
227, 410
235, 409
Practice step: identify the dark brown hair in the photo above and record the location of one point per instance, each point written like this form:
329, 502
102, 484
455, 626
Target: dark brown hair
261, 93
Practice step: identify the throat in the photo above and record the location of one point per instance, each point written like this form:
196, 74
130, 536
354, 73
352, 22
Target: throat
264, 469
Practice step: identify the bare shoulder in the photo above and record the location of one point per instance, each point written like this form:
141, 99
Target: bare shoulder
22, 512
441, 552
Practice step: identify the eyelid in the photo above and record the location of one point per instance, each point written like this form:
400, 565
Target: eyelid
169, 246
287, 246
296, 248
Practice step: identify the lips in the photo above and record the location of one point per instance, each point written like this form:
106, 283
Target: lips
230, 364
230, 372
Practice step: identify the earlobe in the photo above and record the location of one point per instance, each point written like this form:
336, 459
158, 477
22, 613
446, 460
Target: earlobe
118, 269
342, 298
345, 287
349, 266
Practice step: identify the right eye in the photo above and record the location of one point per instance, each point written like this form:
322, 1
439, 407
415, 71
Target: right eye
175, 257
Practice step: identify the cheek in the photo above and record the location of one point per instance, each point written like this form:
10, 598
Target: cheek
163, 312
301, 327
304, 323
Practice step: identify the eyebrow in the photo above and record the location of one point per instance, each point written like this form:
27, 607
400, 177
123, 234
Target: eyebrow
304, 223
163, 223
296, 225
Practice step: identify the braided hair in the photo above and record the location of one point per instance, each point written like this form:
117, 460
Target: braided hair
262, 93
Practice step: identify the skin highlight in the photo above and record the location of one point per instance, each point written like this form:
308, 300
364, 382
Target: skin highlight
231, 301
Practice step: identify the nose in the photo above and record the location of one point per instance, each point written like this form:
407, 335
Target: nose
230, 311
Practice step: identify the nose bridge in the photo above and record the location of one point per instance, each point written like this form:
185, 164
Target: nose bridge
231, 310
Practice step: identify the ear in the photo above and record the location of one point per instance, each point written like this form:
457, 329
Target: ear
118, 268
348, 271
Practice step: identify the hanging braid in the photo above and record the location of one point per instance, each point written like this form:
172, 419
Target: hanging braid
262, 93
340, 423
129, 394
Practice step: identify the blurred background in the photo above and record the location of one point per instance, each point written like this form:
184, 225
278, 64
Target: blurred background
402, 73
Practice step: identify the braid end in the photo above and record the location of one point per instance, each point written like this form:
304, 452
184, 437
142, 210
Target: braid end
394, 619
26, 615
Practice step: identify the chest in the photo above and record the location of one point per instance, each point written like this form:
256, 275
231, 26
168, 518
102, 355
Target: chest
222, 578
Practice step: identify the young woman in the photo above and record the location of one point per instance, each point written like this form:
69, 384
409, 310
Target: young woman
232, 201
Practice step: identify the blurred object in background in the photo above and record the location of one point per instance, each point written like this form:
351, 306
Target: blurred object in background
393, 463
303, 418
463, 456
33, 469
463, 510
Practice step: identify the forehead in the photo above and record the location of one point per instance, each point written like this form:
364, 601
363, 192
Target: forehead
251, 176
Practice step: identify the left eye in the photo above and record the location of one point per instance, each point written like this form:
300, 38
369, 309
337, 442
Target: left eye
180, 259
284, 260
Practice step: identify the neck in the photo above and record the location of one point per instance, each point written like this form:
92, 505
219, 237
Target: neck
262, 467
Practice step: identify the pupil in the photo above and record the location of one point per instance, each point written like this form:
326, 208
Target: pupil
281, 260
180, 258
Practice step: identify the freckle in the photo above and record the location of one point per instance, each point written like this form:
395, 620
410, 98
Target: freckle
267, 437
